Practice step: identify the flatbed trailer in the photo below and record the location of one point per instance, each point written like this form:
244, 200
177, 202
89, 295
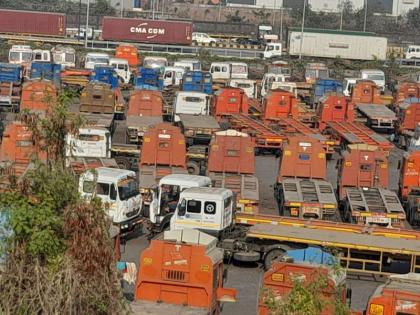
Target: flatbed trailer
198, 129
373, 206
379, 117
353, 133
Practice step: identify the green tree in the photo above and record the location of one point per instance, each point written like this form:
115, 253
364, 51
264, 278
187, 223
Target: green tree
102, 7
413, 18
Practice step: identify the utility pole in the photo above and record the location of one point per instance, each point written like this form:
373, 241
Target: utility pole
153, 9
301, 32
364, 21
281, 24
274, 14
87, 23
122, 8
341, 14
78, 19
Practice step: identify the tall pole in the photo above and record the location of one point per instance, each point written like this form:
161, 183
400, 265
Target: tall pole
364, 21
78, 19
87, 23
274, 14
220, 9
153, 9
397, 13
281, 24
301, 31
122, 8
341, 15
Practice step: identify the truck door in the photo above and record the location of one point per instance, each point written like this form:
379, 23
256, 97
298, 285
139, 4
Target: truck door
189, 214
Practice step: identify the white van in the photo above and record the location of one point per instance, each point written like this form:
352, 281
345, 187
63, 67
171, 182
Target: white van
172, 76
229, 70
374, 75
93, 59
189, 64
272, 50
247, 85
122, 68
194, 103
20, 54
412, 52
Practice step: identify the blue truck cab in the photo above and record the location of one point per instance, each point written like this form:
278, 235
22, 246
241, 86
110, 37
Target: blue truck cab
11, 78
10, 73
197, 81
148, 79
323, 86
105, 74
46, 71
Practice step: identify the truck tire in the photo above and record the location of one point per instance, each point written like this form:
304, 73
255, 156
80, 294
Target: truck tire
193, 168
247, 257
273, 255
123, 163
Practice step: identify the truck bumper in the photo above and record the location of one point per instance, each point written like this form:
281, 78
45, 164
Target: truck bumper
130, 225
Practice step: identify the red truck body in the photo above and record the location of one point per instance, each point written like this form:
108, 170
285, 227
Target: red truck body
38, 96
32, 23
279, 280
129, 53
366, 92
163, 152
145, 103
410, 186
409, 115
231, 164
407, 90
279, 104
334, 108
229, 101
363, 166
147, 31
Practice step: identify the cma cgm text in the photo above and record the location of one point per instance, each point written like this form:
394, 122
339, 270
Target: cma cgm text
144, 30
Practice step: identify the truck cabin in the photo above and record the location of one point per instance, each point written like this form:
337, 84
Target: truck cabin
279, 104
377, 76
366, 92
272, 50
122, 69
315, 71
229, 70
166, 195
20, 55
247, 85
410, 174
409, 114
290, 87
41, 55
64, 56
412, 52
197, 81
325, 87
172, 76
96, 59
38, 96
193, 103
334, 108
229, 101
271, 81
129, 53
279, 67
400, 295
363, 166
155, 62
148, 79
97, 98
265, 33
105, 74
145, 103
188, 64
203, 208
407, 90
89, 142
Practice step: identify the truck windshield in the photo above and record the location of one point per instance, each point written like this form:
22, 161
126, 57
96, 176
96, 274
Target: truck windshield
128, 188
70, 57
376, 77
323, 74
154, 63
239, 69
97, 60
169, 197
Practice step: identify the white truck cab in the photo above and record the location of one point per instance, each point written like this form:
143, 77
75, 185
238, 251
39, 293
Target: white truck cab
172, 76
89, 142
93, 59
155, 62
166, 196
122, 68
20, 54
271, 81
189, 64
206, 209
119, 192
412, 52
247, 85
272, 50
41, 55
64, 55
348, 85
229, 70
375, 75
288, 87
195, 103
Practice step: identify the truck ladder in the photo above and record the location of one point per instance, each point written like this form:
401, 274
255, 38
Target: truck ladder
265, 137
354, 133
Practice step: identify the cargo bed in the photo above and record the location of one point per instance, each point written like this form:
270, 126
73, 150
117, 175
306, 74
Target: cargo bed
155, 308
378, 116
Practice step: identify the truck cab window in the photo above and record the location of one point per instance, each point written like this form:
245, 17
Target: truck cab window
194, 206
210, 207
88, 187
102, 189
169, 197
113, 193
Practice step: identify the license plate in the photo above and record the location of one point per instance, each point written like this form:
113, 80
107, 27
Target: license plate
378, 220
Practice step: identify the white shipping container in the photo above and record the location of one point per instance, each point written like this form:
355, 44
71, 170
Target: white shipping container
347, 45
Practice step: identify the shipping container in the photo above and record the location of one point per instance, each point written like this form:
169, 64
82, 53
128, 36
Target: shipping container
332, 43
33, 23
147, 31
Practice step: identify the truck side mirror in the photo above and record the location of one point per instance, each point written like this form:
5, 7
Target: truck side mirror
182, 208
225, 275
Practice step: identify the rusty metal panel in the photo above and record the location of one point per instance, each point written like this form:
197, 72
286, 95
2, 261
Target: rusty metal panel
145, 103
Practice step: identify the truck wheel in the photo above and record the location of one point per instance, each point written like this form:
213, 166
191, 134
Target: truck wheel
123, 164
247, 257
193, 168
273, 256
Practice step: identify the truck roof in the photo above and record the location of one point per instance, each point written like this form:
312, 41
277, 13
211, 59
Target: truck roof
199, 121
185, 180
108, 174
190, 93
208, 191
93, 130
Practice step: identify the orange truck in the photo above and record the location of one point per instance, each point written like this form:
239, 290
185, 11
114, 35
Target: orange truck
38, 96
145, 109
408, 120
278, 281
163, 153
129, 53
231, 165
302, 189
400, 295
279, 104
407, 90
181, 272
410, 186
334, 108
362, 188
366, 92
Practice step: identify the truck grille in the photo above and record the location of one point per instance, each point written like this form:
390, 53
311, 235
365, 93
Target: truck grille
175, 275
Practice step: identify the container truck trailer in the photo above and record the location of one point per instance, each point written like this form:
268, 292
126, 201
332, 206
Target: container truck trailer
333, 43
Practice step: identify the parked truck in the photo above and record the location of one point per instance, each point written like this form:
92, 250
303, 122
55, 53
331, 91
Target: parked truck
129, 53
11, 80
189, 279
223, 71
408, 120
334, 108
279, 104
326, 86
197, 81
302, 189
192, 103
406, 90
64, 56
409, 186
163, 153
148, 79
38, 96
366, 92
332, 43
46, 71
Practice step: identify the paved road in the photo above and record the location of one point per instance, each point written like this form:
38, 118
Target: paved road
246, 279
